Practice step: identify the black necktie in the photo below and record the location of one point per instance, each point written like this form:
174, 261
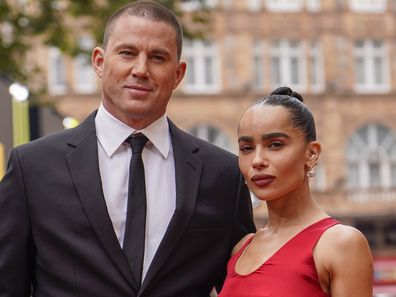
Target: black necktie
136, 209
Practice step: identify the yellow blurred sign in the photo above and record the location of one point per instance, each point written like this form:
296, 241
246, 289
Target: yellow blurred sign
20, 122
2, 161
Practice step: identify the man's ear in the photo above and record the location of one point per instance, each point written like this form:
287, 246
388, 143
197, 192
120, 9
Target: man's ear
314, 148
180, 72
97, 59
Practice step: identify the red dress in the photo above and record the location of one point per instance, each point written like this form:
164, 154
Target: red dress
289, 272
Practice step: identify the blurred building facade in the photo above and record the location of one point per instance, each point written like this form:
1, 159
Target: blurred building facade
339, 54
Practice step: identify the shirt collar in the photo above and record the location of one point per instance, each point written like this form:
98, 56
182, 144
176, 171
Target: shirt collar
111, 132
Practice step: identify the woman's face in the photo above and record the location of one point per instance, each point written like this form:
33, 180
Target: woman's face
273, 155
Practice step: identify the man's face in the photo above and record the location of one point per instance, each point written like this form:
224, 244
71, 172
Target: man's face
139, 70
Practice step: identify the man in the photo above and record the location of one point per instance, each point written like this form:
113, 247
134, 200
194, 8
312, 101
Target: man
66, 205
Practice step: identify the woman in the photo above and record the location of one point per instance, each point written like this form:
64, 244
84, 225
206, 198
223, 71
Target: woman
301, 252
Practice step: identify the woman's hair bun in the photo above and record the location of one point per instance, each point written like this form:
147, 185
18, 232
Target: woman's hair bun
287, 91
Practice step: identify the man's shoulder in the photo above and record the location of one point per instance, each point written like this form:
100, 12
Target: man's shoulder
205, 147
60, 138
44, 148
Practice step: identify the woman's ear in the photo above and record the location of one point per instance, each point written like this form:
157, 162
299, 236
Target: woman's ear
314, 148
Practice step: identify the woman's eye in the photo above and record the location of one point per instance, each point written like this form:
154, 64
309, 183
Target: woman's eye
276, 145
245, 148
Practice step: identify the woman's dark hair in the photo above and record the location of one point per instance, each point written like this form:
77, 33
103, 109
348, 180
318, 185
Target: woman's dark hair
300, 116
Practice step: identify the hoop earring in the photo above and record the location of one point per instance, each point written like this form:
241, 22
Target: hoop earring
311, 172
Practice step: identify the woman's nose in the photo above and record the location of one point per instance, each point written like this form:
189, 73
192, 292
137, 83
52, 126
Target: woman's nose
260, 159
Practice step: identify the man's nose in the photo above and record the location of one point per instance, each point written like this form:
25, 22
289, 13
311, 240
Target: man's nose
140, 68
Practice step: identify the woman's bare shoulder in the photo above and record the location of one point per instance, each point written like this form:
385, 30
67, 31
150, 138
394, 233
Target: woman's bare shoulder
343, 236
344, 261
343, 243
239, 245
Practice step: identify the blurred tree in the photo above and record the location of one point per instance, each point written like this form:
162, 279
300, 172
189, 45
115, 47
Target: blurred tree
24, 23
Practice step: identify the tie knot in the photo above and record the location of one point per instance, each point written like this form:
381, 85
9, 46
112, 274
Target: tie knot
137, 142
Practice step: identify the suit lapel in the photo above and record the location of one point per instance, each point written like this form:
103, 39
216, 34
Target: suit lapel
188, 170
84, 169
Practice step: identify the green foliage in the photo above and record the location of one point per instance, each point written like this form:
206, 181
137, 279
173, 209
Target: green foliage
51, 22
12, 49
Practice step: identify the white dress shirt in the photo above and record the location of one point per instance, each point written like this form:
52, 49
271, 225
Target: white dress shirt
114, 156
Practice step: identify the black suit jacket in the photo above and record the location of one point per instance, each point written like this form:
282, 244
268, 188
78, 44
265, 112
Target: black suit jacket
57, 239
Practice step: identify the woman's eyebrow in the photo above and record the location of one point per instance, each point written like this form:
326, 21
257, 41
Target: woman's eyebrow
267, 136
245, 139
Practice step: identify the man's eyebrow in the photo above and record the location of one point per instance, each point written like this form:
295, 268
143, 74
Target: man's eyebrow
267, 136
133, 47
160, 51
125, 44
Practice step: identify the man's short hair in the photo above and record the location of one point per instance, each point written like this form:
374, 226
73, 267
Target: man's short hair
152, 11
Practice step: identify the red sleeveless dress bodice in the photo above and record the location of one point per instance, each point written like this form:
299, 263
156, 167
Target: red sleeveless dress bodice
290, 271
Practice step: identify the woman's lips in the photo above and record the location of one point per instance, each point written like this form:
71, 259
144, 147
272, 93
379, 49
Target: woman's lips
262, 180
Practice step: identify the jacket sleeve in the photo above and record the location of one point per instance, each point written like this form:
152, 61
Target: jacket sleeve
16, 248
243, 214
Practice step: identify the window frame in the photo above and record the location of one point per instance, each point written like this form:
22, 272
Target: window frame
368, 53
365, 148
195, 53
56, 86
285, 52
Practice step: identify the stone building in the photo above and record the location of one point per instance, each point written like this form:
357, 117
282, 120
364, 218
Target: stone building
339, 54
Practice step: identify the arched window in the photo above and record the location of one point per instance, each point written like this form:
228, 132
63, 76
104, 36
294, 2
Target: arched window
212, 135
371, 158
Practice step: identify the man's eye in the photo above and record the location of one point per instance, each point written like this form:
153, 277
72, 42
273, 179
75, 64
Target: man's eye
126, 53
158, 58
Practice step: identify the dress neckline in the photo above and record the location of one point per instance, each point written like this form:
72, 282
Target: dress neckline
241, 251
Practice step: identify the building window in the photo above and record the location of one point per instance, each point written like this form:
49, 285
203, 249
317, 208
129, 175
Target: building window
368, 6
202, 67
84, 75
22, 4
6, 34
371, 158
316, 69
258, 65
284, 5
313, 5
56, 72
227, 4
190, 5
371, 66
212, 135
287, 64
292, 5
254, 5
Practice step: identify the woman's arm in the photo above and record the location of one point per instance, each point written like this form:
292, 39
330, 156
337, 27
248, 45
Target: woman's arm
345, 257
